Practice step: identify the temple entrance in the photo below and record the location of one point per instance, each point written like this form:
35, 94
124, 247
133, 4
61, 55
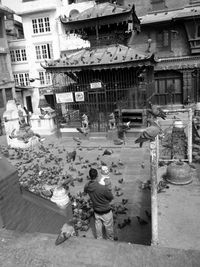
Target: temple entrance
97, 111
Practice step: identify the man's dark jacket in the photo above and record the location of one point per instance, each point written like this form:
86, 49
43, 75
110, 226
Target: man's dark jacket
100, 196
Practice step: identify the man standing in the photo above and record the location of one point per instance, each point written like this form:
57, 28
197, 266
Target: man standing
101, 197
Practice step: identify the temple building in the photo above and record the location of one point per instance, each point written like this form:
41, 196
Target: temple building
110, 75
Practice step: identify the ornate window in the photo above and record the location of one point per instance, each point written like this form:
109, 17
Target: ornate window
163, 39
41, 25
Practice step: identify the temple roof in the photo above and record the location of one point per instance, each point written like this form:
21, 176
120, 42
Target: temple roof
178, 63
101, 12
171, 15
113, 56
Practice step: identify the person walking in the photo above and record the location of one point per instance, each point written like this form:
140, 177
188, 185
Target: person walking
101, 196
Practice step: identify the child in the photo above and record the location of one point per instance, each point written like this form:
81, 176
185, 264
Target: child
105, 177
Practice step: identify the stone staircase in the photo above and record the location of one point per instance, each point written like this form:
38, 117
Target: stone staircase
24, 249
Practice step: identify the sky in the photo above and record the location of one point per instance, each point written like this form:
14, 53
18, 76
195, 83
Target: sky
13, 4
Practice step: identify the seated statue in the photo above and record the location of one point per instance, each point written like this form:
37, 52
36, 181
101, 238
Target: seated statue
112, 121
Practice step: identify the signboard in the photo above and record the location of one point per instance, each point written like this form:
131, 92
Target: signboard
64, 98
95, 85
79, 96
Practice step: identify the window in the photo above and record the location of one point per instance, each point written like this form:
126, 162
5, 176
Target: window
21, 79
18, 55
168, 88
41, 25
163, 39
43, 51
45, 78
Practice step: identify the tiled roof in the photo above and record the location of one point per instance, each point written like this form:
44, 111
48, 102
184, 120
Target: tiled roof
187, 62
100, 10
170, 15
188, 12
102, 57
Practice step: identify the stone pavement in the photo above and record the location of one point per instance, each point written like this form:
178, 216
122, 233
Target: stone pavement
39, 250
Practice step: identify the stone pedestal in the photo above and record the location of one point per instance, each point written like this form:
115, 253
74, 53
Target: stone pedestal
43, 125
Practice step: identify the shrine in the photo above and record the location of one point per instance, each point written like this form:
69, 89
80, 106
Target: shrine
110, 76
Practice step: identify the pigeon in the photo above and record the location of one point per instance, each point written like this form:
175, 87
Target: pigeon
107, 152
118, 194
156, 111
150, 133
77, 139
82, 131
120, 181
113, 165
118, 141
141, 221
65, 233
142, 165
116, 172
124, 201
103, 163
148, 214
71, 156
120, 162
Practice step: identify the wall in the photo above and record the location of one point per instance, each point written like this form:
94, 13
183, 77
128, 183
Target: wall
25, 213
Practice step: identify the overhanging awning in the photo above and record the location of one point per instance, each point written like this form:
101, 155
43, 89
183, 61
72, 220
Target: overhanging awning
179, 63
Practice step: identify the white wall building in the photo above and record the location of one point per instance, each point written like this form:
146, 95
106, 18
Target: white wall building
44, 39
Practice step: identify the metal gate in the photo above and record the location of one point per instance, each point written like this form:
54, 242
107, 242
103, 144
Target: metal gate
117, 89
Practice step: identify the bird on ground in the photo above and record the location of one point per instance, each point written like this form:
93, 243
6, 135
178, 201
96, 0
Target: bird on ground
82, 131
127, 221
107, 152
65, 233
156, 111
142, 165
124, 201
103, 163
113, 165
120, 162
77, 139
148, 214
118, 141
150, 133
118, 194
121, 225
117, 172
141, 221
120, 180
71, 156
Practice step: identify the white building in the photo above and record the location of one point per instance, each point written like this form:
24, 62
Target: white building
44, 39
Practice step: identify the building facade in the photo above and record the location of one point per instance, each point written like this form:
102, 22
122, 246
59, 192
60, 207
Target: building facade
7, 88
172, 30
44, 39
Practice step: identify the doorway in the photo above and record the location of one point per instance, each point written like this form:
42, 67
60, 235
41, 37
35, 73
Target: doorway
97, 110
29, 104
